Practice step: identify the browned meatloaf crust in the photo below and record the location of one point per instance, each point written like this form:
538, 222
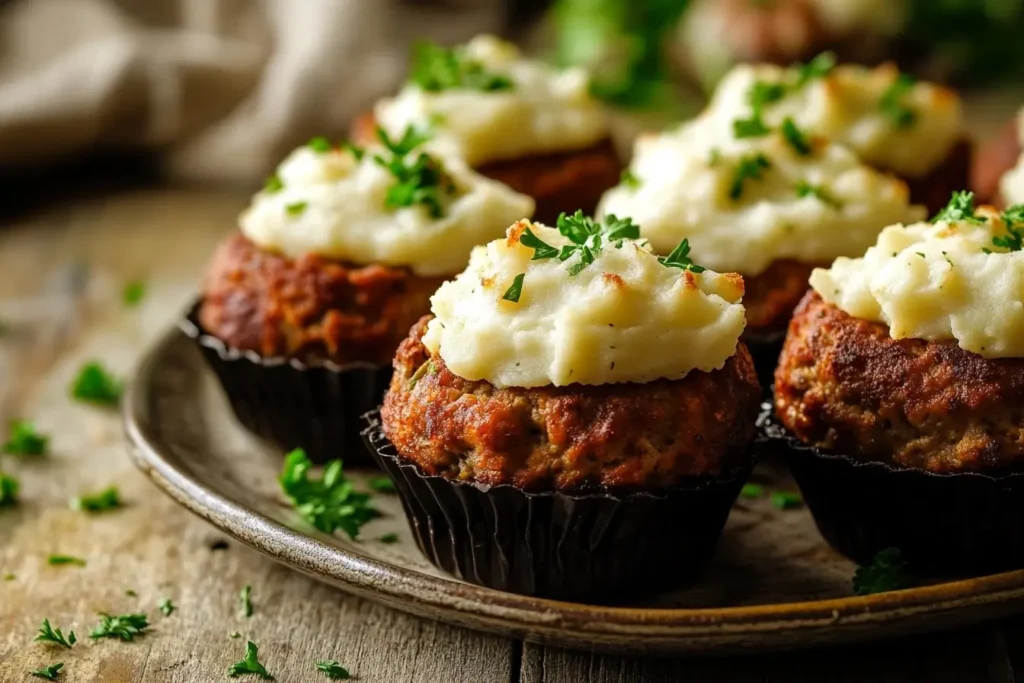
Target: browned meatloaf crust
574, 438
951, 175
565, 181
844, 384
309, 308
993, 159
771, 296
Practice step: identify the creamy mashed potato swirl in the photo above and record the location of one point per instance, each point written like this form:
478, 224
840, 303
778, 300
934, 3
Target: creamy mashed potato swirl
334, 205
845, 106
623, 318
545, 111
936, 281
810, 208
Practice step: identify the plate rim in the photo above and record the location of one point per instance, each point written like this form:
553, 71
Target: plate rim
672, 629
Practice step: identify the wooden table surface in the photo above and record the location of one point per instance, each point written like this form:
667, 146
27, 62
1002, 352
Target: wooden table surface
60, 304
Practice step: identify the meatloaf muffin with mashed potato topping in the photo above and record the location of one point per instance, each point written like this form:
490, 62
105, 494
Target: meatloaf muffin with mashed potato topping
515, 120
570, 376
900, 390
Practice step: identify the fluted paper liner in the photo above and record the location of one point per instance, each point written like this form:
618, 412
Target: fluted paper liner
317, 407
595, 546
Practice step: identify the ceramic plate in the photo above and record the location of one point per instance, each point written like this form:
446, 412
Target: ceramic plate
773, 584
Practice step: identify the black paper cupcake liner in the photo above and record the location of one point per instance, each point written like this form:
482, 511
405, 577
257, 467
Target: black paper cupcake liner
765, 349
292, 404
570, 547
943, 524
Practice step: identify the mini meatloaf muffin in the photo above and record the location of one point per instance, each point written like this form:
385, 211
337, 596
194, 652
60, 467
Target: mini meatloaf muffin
911, 360
770, 204
517, 121
566, 368
337, 257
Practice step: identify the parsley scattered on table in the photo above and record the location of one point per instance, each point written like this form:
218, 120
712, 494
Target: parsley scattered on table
48, 634
680, 258
515, 290
96, 385
60, 560
389, 538
806, 189
133, 292
786, 500
8, 490
751, 167
333, 669
296, 209
795, 137
629, 179
887, 572
892, 105
50, 673
381, 483
328, 503
104, 501
435, 68
23, 439
234, 634
131, 593
752, 491
251, 664
124, 626
9, 577
272, 184
245, 599
166, 606
319, 144
419, 178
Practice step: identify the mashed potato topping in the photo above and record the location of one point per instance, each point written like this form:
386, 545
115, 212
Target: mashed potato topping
889, 121
330, 203
625, 317
746, 202
942, 280
542, 110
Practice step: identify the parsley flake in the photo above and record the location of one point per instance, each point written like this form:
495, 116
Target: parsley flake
806, 189
104, 501
96, 385
819, 67
23, 439
49, 634
333, 669
786, 500
891, 104
319, 144
419, 179
50, 673
328, 503
124, 626
234, 635
354, 150
762, 93
389, 538
751, 167
795, 137
63, 560
680, 258
131, 593
296, 209
435, 68
251, 664
886, 572
959, 208
541, 249
245, 599
629, 179
9, 577
752, 491
753, 127
515, 290
272, 184
381, 484
133, 292
166, 606
8, 490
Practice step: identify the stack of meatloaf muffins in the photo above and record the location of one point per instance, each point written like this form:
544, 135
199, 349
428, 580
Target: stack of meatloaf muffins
569, 406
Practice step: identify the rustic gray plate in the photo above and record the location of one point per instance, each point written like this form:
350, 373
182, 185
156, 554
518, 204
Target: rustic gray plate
773, 584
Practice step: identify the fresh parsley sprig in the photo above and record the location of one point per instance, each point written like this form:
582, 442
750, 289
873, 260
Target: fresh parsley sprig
49, 634
49, 673
887, 572
124, 626
1013, 219
819, 67
133, 293
436, 68
104, 501
959, 208
95, 384
250, 664
680, 258
333, 669
328, 503
419, 178
23, 439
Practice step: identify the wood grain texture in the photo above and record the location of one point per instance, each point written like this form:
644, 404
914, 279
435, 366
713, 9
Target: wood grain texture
156, 549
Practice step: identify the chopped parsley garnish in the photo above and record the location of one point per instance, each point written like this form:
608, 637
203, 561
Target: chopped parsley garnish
251, 664
62, 560
381, 483
959, 208
272, 184
245, 600
333, 669
887, 572
1014, 239
806, 189
389, 538
96, 385
419, 178
752, 491
319, 144
104, 501
355, 150
8, 490
124, 626
680, 258
795, 137
753, 127
920, 253
435, 68
296, 209
23, 439
328, 503
891, 104
49, 634
50, 673
762, 93
166, 606
786, 500
751, 167
629, 179
133, 292
541, 250
515, 290
819, 67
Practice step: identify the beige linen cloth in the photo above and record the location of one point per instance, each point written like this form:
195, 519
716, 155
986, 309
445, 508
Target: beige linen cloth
221, 88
